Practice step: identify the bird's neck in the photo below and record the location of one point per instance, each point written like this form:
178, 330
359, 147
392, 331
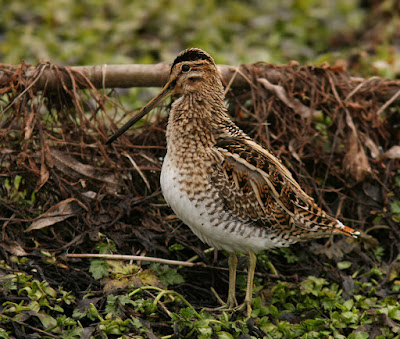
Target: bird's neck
193, 121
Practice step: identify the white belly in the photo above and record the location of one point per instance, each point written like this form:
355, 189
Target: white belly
221, 230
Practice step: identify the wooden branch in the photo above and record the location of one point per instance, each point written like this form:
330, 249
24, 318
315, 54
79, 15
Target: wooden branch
134, 257
112, 76
53, 77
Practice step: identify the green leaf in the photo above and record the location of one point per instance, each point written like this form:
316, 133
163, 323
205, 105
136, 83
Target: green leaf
344, 265
124, 300
78, 313
107, 247
49, 290
168, 276
93, 313
112, 306
395, 207
58, 308
176, 247
290, 257
145, 306
224, 335
136, 322
188, 313
17, 181
273, 311
34, 306
98, 268
348, 304
66, 321
349, 317
313, 285
358, 335
119, 268
379, 251
394, 313
75, 333
46, 320
3, 334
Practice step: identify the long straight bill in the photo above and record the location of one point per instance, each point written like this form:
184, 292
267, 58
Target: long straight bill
165, 92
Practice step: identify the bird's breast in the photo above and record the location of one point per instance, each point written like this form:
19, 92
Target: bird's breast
188, 194
194, 198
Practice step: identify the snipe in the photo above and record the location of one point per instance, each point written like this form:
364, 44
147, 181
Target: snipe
234, 194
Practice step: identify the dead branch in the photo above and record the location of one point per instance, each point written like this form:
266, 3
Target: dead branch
125, 76
107, 76
136, 258
295, 104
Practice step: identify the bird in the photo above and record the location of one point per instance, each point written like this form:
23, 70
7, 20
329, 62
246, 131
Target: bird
234, 194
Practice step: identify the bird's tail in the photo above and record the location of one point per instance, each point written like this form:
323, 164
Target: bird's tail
346, 230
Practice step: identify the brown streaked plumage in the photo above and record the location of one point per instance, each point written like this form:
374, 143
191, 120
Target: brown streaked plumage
233, 194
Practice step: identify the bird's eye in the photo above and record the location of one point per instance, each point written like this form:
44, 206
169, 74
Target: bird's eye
185, 68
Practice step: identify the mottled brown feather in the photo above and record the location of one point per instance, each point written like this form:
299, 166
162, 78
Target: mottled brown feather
257, 186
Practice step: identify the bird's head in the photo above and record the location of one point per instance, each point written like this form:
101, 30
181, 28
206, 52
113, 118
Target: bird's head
192, 71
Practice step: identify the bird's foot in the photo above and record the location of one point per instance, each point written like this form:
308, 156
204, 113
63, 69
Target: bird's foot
231, 304
245, 306
227, 307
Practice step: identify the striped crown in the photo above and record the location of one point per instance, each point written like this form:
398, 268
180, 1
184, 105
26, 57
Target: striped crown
192, 54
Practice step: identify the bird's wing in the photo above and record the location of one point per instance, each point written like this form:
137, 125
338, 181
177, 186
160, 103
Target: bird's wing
256, 186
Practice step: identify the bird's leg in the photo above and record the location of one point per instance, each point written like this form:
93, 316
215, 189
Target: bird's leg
250, 280
231, 303
232, 262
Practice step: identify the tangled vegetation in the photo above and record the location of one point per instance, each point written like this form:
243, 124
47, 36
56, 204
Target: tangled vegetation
65, 196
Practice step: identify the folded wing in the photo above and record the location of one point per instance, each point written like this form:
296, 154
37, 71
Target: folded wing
256, 187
